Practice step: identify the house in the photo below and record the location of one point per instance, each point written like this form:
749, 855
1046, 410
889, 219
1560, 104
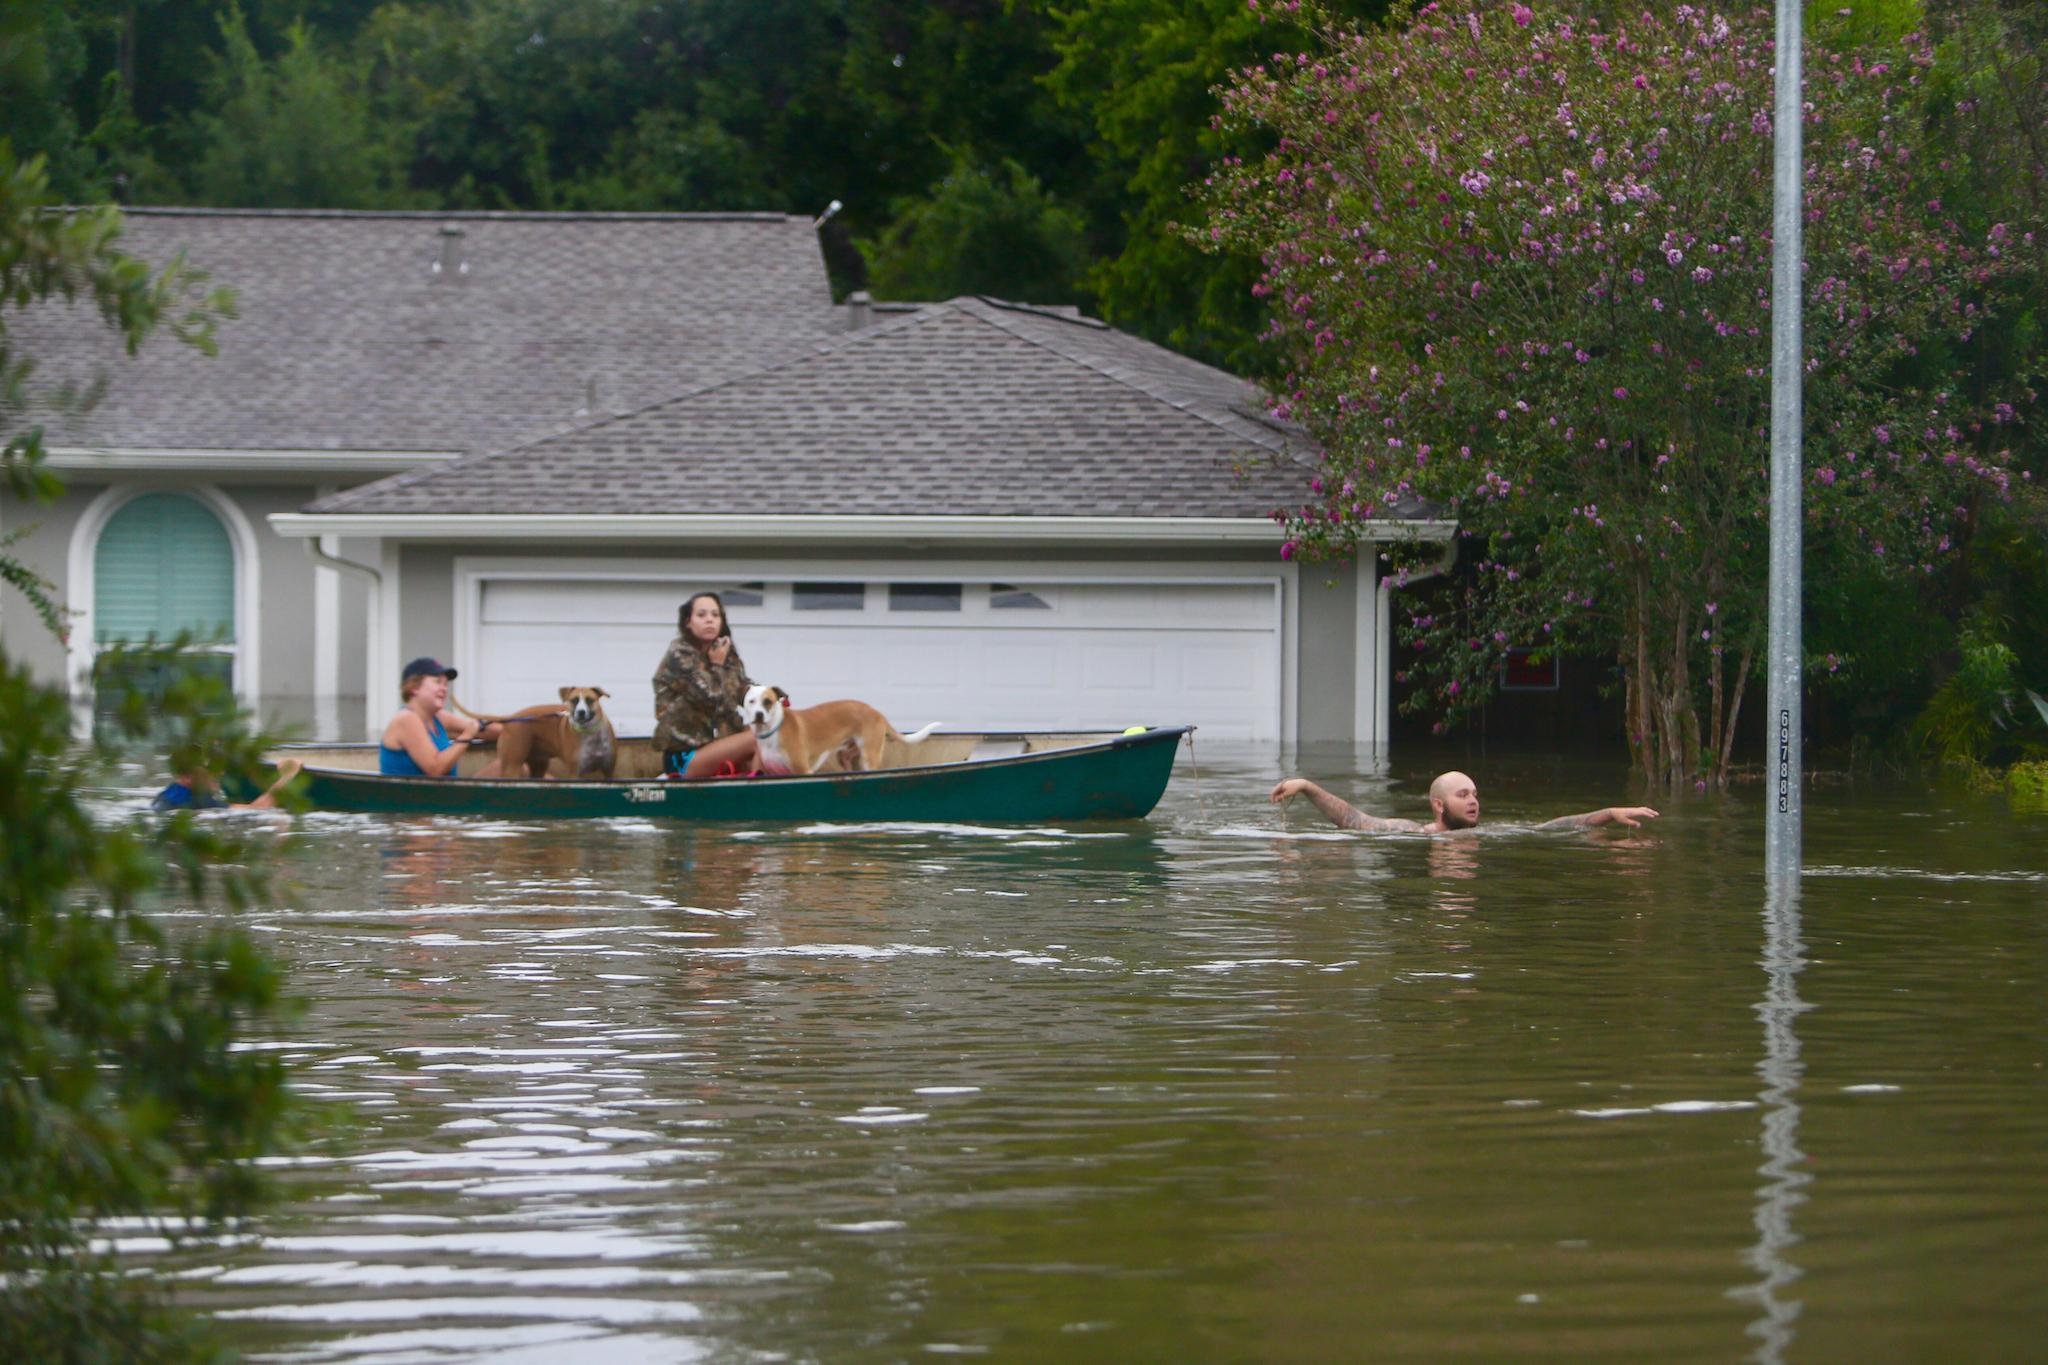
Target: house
978, 512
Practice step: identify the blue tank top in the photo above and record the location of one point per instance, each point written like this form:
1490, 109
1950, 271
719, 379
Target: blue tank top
398, 763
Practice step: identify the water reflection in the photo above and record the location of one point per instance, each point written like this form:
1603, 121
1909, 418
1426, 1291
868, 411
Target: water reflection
1455, 859
1785, 1178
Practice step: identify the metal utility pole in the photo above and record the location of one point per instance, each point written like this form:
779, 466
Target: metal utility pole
1785, 662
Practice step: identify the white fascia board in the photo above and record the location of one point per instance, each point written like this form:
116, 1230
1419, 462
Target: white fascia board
188, 460
800, 529
814, 529
1393, 532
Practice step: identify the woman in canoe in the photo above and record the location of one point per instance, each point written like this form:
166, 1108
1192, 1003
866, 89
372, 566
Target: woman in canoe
418, 742
697, 695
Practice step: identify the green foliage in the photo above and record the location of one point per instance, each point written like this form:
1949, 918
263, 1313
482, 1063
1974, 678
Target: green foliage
1523, 263
981, 232
1978, 714
2028, 784
671, 161
294, 132
122, 1089
1864, 23
931, 84
42, 55
1144, 73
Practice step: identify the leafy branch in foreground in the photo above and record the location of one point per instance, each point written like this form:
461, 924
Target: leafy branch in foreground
123, 1088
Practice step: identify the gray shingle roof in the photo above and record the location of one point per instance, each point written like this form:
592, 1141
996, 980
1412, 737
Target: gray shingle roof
349, 340
971, 407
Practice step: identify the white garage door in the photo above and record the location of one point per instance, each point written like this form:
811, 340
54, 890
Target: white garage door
975, 656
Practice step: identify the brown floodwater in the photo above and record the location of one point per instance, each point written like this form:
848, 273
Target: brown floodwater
1220, 1085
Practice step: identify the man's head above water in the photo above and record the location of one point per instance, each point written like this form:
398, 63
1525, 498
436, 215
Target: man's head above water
1454, 804
1454, 800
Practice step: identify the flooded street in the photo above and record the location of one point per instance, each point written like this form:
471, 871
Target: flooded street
1225, 1084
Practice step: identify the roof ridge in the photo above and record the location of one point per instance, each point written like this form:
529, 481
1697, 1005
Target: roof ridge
1115, 375
1057, 312
474, 215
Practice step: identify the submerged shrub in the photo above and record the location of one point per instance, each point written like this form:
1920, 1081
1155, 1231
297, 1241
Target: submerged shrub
1977, 715
2028, 782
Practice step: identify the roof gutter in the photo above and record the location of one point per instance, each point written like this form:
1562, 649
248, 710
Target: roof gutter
199, 460
814, 530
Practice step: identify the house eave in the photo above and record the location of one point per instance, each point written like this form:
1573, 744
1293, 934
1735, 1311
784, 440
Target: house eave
189, 460
813, 530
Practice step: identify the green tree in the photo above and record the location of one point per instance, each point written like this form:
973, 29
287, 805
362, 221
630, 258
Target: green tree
981, 232
43, 60
932, 84
295, 132
1144, 75
669, 161
1524, 267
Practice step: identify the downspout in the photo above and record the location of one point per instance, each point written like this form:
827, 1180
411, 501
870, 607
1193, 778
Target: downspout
374, 607
1385, 615
321, 557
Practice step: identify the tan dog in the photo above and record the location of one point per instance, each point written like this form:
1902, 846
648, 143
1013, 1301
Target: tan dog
575, 731
794, 741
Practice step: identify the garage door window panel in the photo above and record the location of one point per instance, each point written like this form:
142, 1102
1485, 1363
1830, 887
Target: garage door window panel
828, 596
924, 597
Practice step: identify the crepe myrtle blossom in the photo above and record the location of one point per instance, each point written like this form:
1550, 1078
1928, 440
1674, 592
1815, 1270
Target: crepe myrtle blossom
1448, 198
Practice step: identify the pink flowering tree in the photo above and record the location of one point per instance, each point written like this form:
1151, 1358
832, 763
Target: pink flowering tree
1522, 263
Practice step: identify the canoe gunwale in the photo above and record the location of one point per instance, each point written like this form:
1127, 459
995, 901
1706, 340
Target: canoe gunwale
1110, 741
1089, 780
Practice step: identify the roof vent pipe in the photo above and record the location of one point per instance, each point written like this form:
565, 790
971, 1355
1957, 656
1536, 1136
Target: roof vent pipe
451, 266
859, 309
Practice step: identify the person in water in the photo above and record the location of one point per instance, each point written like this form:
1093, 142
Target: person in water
419, 741
1453, 804
196, 790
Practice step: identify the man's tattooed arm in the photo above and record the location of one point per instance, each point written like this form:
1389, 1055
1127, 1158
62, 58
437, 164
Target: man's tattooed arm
1631, 816
1340, 812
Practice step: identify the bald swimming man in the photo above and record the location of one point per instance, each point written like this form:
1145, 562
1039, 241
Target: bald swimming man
1454, 802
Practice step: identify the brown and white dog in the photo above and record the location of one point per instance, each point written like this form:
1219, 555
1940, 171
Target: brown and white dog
575, 731
801, 741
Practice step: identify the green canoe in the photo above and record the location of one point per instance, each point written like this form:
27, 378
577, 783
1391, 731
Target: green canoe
956, 778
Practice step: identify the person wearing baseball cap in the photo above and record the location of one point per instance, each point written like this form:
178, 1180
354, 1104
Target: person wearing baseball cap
418, 742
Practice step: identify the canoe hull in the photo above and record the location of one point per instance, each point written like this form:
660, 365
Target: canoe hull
1119, 778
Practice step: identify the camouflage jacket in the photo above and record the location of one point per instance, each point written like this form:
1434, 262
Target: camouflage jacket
695, 700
